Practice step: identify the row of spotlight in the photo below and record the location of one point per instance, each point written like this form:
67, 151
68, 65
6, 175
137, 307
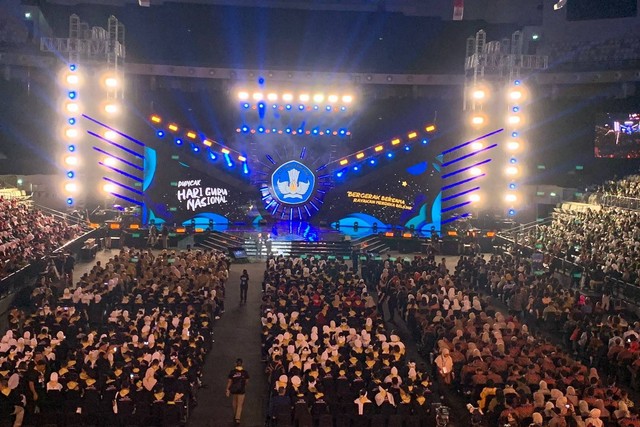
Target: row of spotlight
72, 81
292, 131
289, 97
262, 107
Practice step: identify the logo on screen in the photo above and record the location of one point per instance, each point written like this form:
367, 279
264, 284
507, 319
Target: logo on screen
292, 183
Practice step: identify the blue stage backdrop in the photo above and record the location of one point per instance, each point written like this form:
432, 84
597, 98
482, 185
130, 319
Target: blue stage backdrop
179, 190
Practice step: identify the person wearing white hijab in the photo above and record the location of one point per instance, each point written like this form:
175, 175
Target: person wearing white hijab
594, 418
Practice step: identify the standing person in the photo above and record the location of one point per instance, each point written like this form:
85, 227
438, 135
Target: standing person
153, 236
165, 236
244, 286
236, 387
444, 363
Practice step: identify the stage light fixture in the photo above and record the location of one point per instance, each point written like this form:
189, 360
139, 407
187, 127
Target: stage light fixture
160, 134
475, 198
395, 141
515, 94
195, 148
478, 94
477, 120
245, 169
339, 174
476, 145
513, 160
225, 151
173, 127
425, 141
378, 148
513, 145
511, 212
72, 107
300, 130
109, 188
514, 134
372, 162
390, 155
69, 201
73, 67
343, 162
511, 170
178, 141
328, 108
287, 130
315, 107
257, 96
71, 148
111, 82
301, 107
287, 97
407, 148
359, 155
510, 198
71, 121
412, 135
71, 160
110, 161
72, 94
288, 107
342, 131
356, 168
191, 134
71, 133
261, 129
430, 128
315, 131
72, 79
109, 134
244, 129
207, 142
111, 108
71, 174
243, 96
512, 186
261, 105
515, 109
246, 105
475, 171
514, 119
332, 98
212, 155
517, 82
318, 97
70, 187
304, 97
272, 97
156, 119
347, 99
242, 158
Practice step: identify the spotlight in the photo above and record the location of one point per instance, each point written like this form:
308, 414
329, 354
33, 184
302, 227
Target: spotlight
245, 129
110, 108
72, 107
71, 187
474, 198
511, 170
425, 141
478, 94
475, 171
109, 188
69, 201
328, 108
261, 105
195, 148
287, 97
342, 132
212, 155
72, 79
110, 161
73, 67
407, 148
272, 97
242, 96
300, 130
511, 212
261, 129
160, 134
71, 121
246, 105
304, 97
333, 98
513, 145
514, 134
477, 120
257, 96
513, 160
300, 107
71, 160
390, 155
476, 145
339, 174
515, 94
515, 109
71, 148
512, 186
510, 197
287, 130
356, 168
71, 174
347, 99
109, 134
513, 119
318, 97
315, 131
517, 82
372, 161
178, 141
288, 107
111, 82
72, 94
71, 133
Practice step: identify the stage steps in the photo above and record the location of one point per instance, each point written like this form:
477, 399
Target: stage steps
371, 244
295, 248
221, 241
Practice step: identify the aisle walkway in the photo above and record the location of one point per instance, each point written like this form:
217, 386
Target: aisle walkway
236, 334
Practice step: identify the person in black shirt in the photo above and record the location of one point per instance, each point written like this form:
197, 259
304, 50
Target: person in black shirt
236, 387
244, 286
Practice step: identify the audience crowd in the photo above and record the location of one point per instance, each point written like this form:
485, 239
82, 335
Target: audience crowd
125, 347
331, 359
27, 234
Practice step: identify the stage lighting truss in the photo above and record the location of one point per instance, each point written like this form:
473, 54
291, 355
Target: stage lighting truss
384, 149
316, 131
516, 93
70, 83
198, 142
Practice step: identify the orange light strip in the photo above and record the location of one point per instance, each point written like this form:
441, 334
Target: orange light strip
359, 155
395, 141
207, 143
343, 162
225, 151
378, 148
412, 135
173, 127
156, 119
191, 134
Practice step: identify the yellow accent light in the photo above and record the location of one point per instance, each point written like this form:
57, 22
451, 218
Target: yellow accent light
243, 96
510, 197
343, 162
71, 160
242, 158
191, 134
71, 187
412, 135
287, 97
156, 119
173, 127
257, 96
333, 98
378, 148
395, 141
430, 128
225, 151
109, 188
359, 155
71, 133
272, 97
207, 143
511, 170
513, 145
318, 97
347, 99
